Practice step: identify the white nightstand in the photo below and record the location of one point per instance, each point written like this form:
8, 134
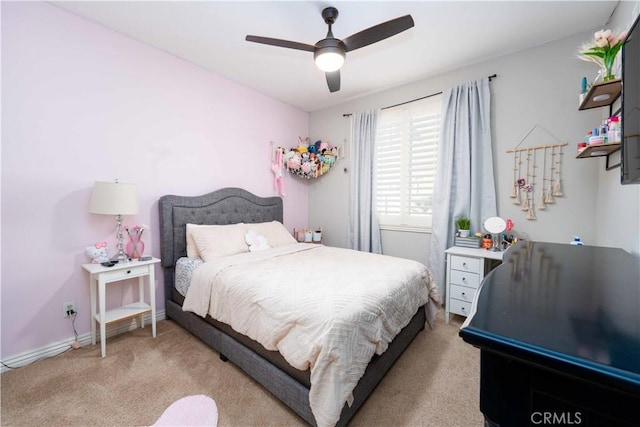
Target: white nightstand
466, 267
100, 276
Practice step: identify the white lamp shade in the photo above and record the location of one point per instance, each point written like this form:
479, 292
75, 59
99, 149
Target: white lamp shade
329, 59
113, 198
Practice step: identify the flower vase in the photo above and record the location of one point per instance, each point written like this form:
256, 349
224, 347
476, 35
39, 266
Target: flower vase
134, 247
607, 73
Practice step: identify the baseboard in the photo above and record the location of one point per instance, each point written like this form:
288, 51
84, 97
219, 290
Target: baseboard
59, 347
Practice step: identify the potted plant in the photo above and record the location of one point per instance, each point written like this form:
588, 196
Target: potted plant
463, 224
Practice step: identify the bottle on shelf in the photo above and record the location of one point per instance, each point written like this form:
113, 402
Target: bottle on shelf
613, 132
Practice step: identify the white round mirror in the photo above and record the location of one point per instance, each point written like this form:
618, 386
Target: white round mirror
495, 225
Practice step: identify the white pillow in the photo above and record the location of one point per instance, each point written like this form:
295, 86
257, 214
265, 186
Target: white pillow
217, 241
275, 233
192, 249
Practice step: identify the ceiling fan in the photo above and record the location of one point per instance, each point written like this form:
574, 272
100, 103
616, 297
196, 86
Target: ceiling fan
329, 53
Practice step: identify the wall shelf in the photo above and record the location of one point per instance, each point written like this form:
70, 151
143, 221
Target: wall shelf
601, 151
601, 94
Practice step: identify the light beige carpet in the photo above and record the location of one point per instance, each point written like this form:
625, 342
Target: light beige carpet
434, 383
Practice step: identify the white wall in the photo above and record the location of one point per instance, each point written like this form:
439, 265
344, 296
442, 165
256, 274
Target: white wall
538, 86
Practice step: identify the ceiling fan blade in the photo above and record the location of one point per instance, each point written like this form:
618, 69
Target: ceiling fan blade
281, 43
378, 32
333, 81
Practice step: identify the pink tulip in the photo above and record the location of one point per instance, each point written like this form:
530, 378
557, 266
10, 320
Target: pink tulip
622, 37
602, 42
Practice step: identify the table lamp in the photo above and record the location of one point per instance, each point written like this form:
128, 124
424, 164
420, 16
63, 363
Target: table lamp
115, 198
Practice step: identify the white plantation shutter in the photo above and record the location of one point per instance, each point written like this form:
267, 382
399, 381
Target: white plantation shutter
406, 154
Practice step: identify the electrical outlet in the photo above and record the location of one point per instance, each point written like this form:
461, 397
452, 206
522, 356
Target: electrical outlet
68, 307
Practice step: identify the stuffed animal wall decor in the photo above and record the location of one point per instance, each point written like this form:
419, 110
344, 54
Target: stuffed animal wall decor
97, 253
310, 160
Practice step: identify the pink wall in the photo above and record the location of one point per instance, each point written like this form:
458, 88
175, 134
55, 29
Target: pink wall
82, 103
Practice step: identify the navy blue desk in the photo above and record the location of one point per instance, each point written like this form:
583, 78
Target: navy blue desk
559, 331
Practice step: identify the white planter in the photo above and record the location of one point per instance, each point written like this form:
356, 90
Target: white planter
464, 233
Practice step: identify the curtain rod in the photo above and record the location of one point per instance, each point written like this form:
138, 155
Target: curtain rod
417, 99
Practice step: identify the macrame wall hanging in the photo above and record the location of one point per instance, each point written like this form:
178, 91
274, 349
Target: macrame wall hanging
525, 187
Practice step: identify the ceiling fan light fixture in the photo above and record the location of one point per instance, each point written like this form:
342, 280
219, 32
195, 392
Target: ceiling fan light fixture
329, 59
330, 53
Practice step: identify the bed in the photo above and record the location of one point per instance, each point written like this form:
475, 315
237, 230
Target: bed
268, 367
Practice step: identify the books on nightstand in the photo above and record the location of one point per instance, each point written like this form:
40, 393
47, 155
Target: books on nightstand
467, 242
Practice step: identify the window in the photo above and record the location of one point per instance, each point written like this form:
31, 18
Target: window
406, 154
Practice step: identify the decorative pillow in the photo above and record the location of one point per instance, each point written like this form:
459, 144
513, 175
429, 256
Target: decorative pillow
192, 249
218, 241
256, 242
275, 233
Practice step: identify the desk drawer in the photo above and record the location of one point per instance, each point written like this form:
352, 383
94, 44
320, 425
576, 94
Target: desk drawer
125, 273
459, 307
471, 280
463, 263
462, 293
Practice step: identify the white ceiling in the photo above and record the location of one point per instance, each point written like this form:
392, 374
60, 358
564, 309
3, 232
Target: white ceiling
447, 35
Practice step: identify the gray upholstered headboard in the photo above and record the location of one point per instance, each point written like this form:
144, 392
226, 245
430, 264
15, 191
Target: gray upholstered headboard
225, 206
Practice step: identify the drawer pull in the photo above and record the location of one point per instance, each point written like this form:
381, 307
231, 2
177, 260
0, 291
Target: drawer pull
463, 294
464, 279
464, 264
128, 271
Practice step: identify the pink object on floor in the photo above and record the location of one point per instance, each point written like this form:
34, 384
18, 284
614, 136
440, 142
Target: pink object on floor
197, 410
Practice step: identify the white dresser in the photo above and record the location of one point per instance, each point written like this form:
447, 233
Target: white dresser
466, 267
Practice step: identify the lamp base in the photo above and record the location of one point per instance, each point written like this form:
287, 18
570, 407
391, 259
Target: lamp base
120, 256
497, 247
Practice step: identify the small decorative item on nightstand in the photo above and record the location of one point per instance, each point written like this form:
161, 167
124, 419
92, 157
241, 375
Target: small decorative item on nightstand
135, 245
463, 224
306, 235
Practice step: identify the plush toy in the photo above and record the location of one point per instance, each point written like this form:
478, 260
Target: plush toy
276, 167
324, 146
97, 252
256, 242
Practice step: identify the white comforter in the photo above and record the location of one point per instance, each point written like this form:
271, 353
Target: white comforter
323, 308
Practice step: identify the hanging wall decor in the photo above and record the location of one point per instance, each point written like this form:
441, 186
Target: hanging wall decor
277, 168
306, 160
541, 204
532, 185
516, 177
524, 187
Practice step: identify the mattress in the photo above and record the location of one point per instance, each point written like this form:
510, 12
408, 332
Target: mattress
342, 307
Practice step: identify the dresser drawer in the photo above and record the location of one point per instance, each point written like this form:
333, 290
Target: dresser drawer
462, 293
463, 263
462, 278
459, 307
125, 273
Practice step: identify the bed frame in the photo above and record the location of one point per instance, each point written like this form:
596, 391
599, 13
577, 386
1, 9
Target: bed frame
231, 206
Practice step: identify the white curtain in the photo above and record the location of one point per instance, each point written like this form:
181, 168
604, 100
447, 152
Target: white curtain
464, 183
364, 227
